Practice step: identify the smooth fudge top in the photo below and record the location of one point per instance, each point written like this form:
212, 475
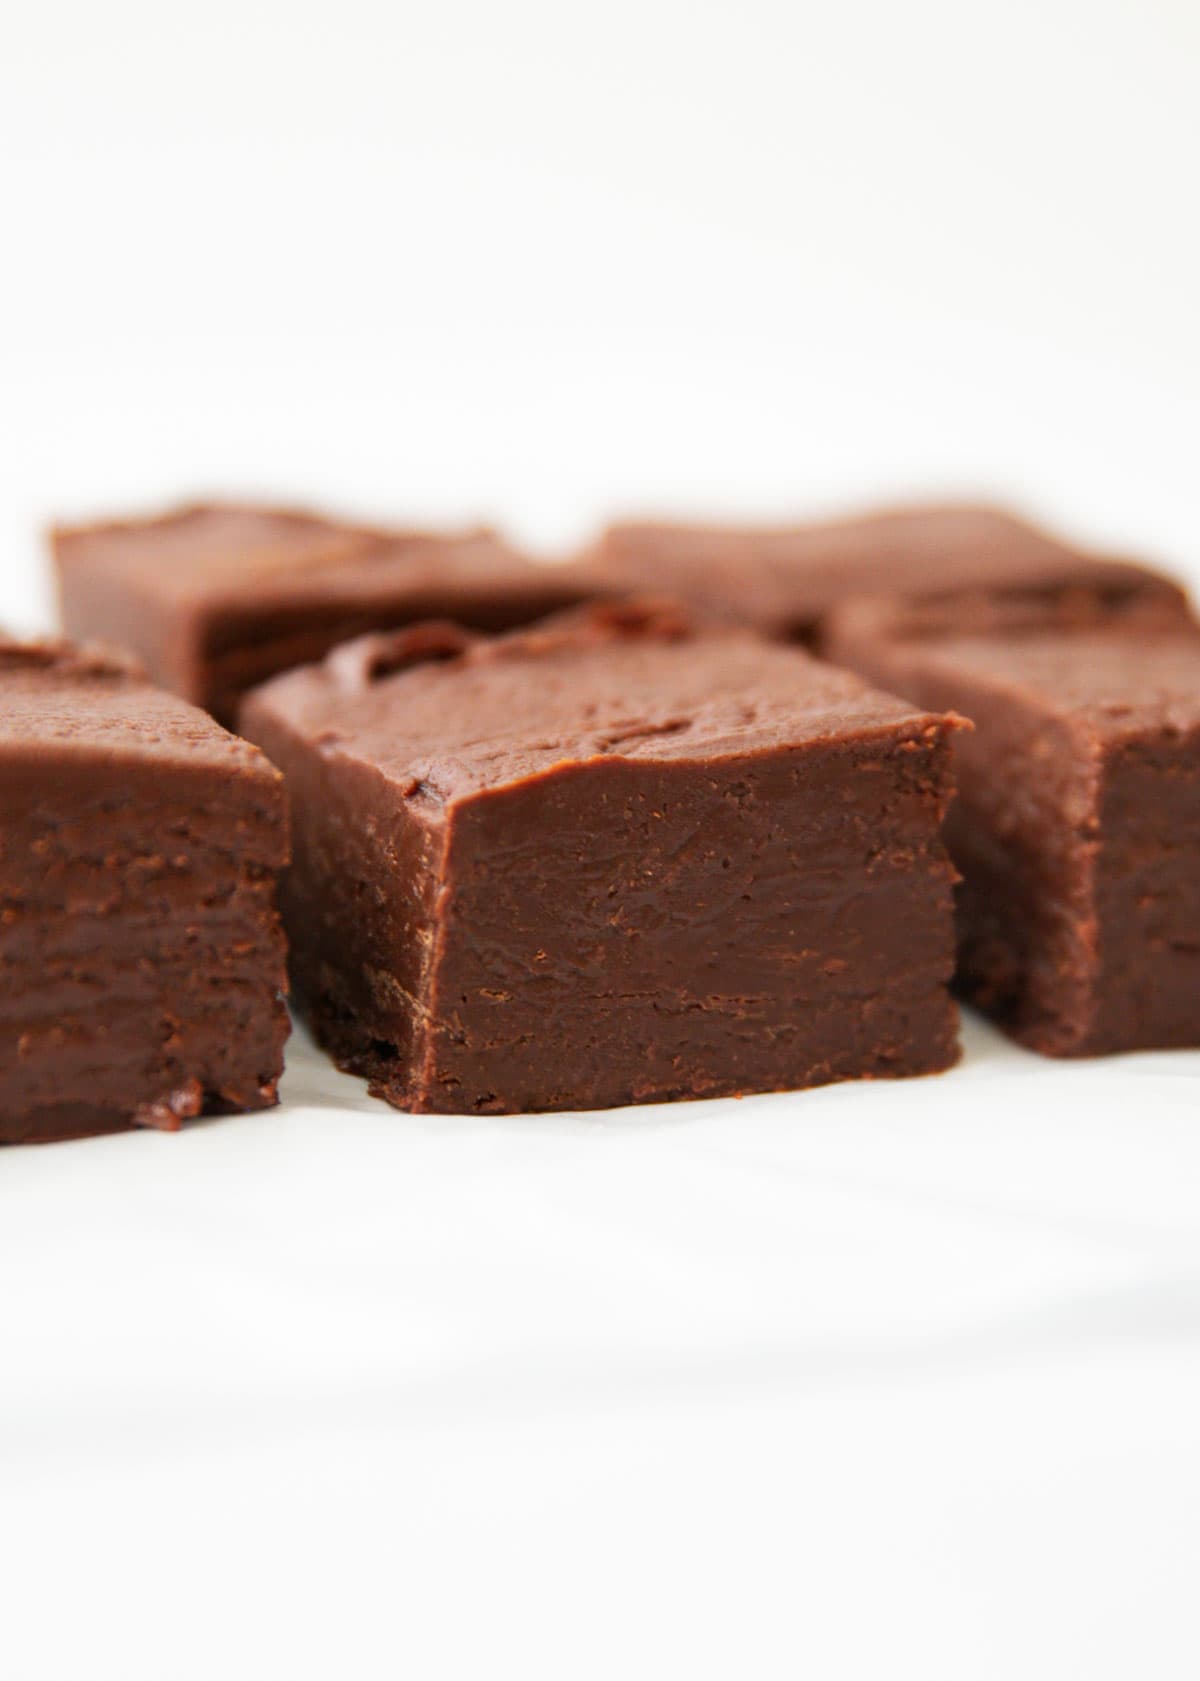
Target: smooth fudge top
448, 716
1118, 686
783, 579
61, 700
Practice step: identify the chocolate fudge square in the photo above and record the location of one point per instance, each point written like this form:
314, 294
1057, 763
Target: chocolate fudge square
216, 598
1076, 827
612, 859
960, 560
142, 959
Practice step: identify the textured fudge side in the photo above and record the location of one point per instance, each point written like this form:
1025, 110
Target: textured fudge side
142, 961
611, 860
1076, 829
785, 580
216, 598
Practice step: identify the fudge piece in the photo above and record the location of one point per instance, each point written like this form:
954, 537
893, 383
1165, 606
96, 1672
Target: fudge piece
216, 598
1076, 827
612, 859
142, 960
960, 560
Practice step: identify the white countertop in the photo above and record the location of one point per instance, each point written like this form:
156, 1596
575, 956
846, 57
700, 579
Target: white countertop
867, 1384
698, 1388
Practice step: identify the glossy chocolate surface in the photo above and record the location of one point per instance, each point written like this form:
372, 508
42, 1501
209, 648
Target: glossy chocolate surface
614, 858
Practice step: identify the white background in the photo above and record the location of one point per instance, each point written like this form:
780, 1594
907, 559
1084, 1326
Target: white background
880, 1381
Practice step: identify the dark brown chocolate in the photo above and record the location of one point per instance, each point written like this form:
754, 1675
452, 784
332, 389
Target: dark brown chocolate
1076, 827
218, 597
956, 562
142, 962
611, 859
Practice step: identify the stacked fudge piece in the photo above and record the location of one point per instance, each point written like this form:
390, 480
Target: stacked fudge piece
629, 851
142, 962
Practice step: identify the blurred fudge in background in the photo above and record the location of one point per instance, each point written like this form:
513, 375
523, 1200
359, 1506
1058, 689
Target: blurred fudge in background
959, 563
216, 597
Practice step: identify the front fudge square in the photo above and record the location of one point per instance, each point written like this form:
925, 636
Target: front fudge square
218, 597
1077, 827
142, 960
614, 859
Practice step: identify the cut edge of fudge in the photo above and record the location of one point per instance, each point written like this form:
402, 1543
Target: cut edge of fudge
142, 959
600, 916
1076, 828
